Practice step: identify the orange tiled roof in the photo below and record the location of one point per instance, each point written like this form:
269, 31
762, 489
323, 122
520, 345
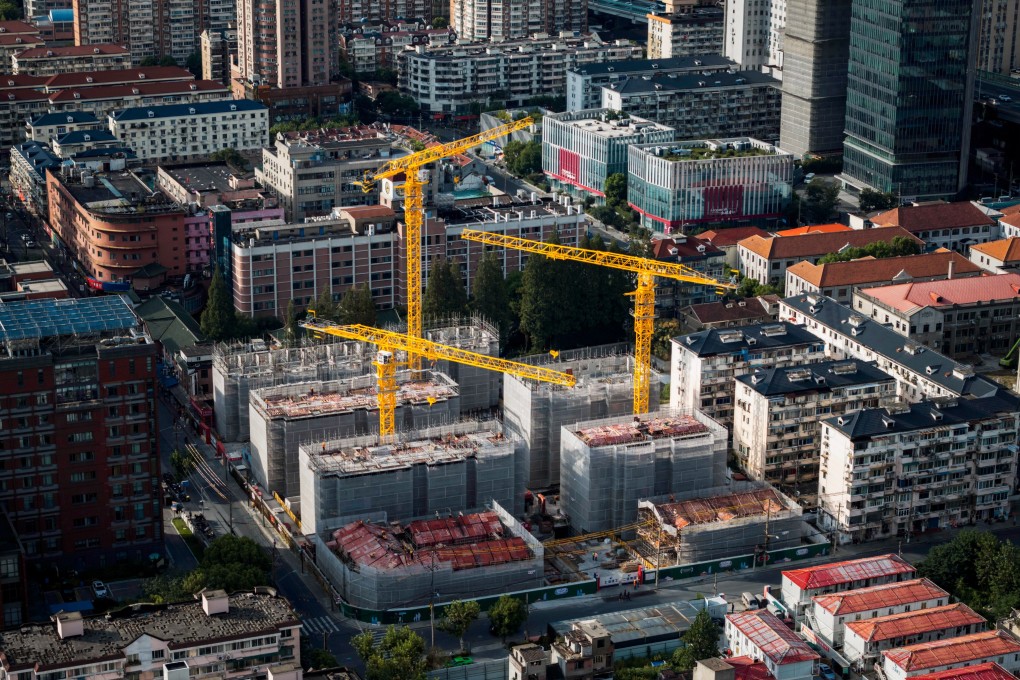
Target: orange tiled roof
836, 573
876, 597
929, 216
872, 270
773, 637
984, 645
814, 229
814, 245
907, 296
731, 236
1004, 250
982, 671
915, 622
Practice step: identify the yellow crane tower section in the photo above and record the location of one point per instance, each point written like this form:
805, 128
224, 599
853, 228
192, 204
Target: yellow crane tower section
389, 342
644, 296
411, 166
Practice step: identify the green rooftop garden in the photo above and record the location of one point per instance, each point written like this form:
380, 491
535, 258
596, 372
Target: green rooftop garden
704, 153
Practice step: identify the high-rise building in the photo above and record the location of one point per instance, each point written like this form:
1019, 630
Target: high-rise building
816, 48
999, 37
753, 34
288, 43
909, 103
120, 22
476, 20
218, 50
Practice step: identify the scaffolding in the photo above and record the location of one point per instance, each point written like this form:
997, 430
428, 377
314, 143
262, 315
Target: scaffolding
536, 412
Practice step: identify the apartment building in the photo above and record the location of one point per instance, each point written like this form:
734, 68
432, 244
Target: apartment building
699, 106
485, 20
776, 427
698, 255
864, 641
766, 259
957, 652
178, 132
585, 83
288, 43
580, 149
29, 163
801, 585
901, 472
754, 34
682, 34
371, 48
760, 635
12, 43
727, 314
955, 226
831, 613
50, 126
389, 11
106, 100
133, 24
999, 36
234, 633
79, 375
839, 280
51, 61
218, 49
704, 365
679, 185
957, 317
449, 79
311, 172
585, 652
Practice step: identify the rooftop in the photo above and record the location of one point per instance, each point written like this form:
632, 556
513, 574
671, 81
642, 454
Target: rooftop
193, 109
601, 123
950, 375
82, 136
72, 51
15, 26
821, 377
732, 235
755, 503
38, 155
1004, 250
739, 340
814, 229
928, 216
986, 645
116, 76
635, 627
982, 671
682, 247
710, 149
839, 573
816, 245
55, 318
202, 177
773, 637
523, 45
621, 68
876, 597
748, 310
976, 290
914, 623
170, 324
313, 402
77, 95
181, 625
683, 82
115, 193
746, 668
641, 429
887, 269
64, 118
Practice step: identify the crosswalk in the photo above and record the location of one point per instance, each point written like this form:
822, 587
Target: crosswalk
319, 625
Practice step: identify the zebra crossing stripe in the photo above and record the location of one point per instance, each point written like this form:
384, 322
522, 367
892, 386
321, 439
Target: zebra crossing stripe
321, 624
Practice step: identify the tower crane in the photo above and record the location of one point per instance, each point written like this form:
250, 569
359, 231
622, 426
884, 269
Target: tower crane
644, 296
411, 166
389, 342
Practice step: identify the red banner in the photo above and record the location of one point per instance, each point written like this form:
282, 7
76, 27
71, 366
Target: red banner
570, 165
723, 202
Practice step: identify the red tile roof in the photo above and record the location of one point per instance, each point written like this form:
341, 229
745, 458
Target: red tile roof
984, 645
685, 247
22, 81
72, 51
746, 668
137, 89
1004, 250
367, 211
928, 216
731, 236
813, 245
22, 95
716, 312
909, 296
871, 270
16, 26
836, 573
814, 229
876, 597
982, 671
117, 77
915, 622
7, 39
773, 637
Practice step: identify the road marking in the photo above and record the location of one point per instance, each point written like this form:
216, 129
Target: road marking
319, 625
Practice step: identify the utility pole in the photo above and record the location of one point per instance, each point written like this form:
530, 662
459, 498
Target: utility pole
658, 556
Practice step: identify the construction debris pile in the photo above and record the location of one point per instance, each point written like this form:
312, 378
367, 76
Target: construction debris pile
721, 508
639, 430
319, 403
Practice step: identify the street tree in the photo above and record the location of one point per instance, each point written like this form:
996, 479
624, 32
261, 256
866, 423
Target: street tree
523, 158
491, 299
979, 570
445, 295
357, 306
290, 324
400, 655
616, 189
218, 317
325, 308
458, 617
820, 202
231, 563
871, 200
182, 462
507, 615
701, 641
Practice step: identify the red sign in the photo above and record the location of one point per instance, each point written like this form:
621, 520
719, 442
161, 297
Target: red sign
570, 165
722, 202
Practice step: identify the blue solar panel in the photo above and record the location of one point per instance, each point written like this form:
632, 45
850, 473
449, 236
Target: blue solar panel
52, 318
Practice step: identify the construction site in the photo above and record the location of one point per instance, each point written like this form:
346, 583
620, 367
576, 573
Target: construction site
447, 469
536, 411
387, 565
286, 416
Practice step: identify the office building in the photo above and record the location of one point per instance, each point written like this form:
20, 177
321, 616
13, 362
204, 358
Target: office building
916, 141
585, 83
816, 47
754, 34
762, 636
955, 226
951, 653
219, 49
864, 641
80, 374
681, 185
740, 104
801, 585
485, 20
580, 149
683, 34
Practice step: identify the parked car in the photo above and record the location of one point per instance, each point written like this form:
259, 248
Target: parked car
100, 590
459, 661
826, 672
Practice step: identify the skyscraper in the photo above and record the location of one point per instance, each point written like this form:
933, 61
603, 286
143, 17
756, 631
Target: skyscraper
497, 20
816, 51
909, 95
288, 43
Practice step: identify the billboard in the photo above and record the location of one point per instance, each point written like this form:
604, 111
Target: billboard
570, 165
723, 202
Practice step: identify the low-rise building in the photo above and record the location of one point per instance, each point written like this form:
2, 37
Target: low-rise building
801, 585
371, 49
704, 364
955, 226
831, 613
998, 257
958, 652
50, 126
729, 314
760, 634
767, 259
11, 44
105, 100
696, 32
585, 652
936, 465
726, 239
51, 61
776, 423
56, 26
839, 280
528, 662
580, 149
724, 104
585, 83
178, 132
954, 316
684, 184
982, 671
863, 641
700, 256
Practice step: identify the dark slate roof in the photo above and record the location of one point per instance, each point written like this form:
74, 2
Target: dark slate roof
820, 377
80, 136
873, 422
200, 108
755, 337
170, 324
64, 117
679, 82
951, 375
38, 156
664, 65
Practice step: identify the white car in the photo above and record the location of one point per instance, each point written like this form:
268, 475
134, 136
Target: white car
1005, 98
100, 589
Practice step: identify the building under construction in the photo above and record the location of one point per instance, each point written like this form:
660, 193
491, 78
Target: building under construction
712, 524
286, 416
439, 470
608, 465
536, 412
393, 565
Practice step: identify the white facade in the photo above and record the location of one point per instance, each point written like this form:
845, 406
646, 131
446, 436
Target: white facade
800, 585
760, 635
926, 625
753, 34
931, 657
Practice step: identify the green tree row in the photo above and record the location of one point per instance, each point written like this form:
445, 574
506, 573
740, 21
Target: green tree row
979, 570
231, 563
899, 247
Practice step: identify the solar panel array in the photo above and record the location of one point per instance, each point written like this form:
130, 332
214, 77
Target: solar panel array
53, 318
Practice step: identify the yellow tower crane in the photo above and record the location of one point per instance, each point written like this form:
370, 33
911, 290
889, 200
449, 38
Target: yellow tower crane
389, 342
644, 296
411, 166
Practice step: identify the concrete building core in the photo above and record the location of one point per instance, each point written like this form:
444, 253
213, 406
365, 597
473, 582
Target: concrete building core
284, 417
607, 466
438, 470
